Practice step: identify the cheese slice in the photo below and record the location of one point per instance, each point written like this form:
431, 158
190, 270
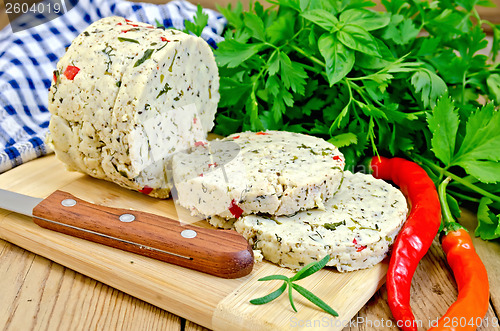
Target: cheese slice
273, 172
356, 228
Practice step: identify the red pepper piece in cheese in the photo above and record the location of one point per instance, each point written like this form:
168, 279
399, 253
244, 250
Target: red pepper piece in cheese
235, 210
146, 190
71, 72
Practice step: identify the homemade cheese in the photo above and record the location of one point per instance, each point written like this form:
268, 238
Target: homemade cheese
272, 172
356, 227
126, 96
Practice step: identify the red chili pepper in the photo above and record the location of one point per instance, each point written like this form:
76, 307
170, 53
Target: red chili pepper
200, 143
164, 39
146, 190
415, 237
260, 133
468, 311
71, 72
336, 157
236, 137
235, 210
472, 281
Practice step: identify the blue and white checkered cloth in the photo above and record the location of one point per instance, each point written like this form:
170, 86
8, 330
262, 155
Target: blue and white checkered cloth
28, 58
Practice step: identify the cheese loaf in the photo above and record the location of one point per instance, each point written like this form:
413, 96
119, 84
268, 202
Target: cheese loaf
126, 96
273, 172
356, 228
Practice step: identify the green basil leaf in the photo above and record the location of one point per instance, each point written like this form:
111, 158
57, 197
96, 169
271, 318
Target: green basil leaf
368, 19
339, 59
359, 39
323, 18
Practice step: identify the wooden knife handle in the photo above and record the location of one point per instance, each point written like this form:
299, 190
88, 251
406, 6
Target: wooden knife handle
223, 253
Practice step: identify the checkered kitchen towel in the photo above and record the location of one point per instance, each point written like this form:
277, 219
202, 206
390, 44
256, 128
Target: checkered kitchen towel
28, 58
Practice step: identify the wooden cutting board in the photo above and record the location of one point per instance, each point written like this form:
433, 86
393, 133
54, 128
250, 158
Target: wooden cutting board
216, 303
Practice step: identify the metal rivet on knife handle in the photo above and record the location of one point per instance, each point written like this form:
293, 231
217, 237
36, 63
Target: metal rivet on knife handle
223, 253
188, 234
127, 218
68, 202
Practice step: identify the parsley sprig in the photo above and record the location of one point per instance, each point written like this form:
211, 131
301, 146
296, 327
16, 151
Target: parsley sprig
306, 271
468, 145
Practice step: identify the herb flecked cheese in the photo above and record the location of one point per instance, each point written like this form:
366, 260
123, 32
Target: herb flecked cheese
356, 228
139, 94
273, 172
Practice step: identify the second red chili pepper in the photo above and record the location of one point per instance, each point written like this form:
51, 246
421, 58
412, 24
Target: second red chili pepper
415, 237
467, 312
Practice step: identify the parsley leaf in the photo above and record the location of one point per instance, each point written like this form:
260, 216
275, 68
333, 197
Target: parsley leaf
200, 21
479, 151
488, 223
443, 123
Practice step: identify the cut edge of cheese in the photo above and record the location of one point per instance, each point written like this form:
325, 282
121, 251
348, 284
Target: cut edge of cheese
357, 227
274, 172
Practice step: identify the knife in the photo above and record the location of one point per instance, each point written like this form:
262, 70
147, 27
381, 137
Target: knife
222, 253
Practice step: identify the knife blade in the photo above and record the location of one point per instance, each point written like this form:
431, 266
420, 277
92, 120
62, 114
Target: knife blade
222, 253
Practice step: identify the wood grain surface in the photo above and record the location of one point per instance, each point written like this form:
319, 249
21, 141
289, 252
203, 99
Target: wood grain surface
38, 294
213, 302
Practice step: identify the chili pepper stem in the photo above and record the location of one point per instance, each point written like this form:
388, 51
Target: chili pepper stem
447, 217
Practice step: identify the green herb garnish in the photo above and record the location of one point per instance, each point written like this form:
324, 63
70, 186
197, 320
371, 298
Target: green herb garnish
306, 271
333, 226
121, 39
165, 90
414, 80
200, 21
146, 56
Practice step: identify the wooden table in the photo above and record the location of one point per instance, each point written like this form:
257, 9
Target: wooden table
37, 294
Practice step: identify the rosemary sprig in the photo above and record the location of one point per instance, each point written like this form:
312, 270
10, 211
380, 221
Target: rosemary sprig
308, 270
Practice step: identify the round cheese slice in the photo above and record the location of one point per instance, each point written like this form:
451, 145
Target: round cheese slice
272, 172
126, 96
356, 228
